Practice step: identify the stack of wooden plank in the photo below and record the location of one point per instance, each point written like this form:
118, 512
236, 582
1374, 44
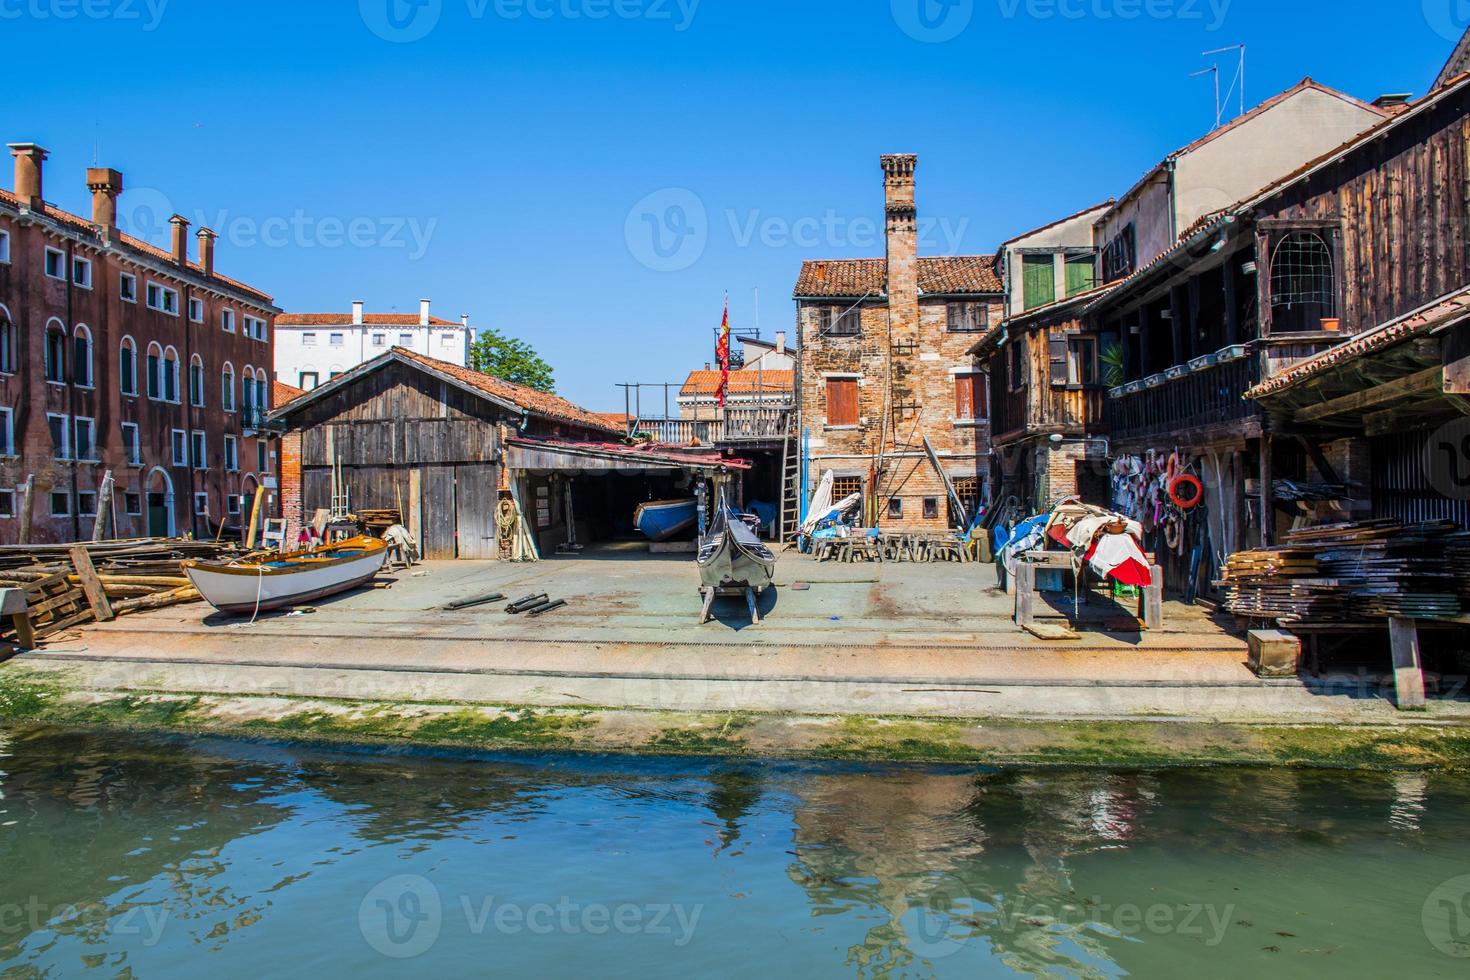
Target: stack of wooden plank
70, 584
1354, 572
375, 522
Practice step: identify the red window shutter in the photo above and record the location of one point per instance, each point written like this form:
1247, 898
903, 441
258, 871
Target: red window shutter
842, 402
964, 396
981, 396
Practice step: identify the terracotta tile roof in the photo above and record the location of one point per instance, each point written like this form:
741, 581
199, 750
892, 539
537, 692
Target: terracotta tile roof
371, 319
84, 227
1442, 312
281, 393
536, 402
617, 420
741, 382
852, 278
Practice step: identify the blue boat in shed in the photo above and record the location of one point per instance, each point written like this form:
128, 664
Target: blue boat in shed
660, 520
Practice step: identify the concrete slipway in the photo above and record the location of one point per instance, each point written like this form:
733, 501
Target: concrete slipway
876, 640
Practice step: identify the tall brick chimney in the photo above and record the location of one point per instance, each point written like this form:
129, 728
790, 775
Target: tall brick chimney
30, 161
105, 186
206, 250
181, 238
901, 220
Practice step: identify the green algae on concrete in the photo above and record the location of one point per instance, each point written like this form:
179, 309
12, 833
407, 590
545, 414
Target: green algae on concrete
1001, 743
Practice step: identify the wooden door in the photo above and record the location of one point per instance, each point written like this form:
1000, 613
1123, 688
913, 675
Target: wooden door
475, 498
439, 511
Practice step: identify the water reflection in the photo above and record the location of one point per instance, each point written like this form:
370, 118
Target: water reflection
150, 854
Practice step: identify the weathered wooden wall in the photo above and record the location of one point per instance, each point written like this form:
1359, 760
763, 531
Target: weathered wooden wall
1402, 204
405, 440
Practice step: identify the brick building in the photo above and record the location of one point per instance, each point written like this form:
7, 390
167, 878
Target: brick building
884, 365
117, 356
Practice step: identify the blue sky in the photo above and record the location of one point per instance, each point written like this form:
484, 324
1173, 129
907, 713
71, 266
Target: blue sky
513, 158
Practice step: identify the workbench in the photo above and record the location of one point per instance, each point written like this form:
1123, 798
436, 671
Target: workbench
1150, 601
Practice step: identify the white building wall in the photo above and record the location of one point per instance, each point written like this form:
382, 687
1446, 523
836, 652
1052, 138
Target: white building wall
328, 349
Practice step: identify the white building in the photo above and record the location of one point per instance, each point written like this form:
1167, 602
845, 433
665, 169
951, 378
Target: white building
312, 348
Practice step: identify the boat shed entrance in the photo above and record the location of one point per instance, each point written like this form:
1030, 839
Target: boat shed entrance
586, 493
421, 438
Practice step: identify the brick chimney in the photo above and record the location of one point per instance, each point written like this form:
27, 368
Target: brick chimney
105, 186
423, 313
206, 250
901, 222
180, 239
30, 163
357, 314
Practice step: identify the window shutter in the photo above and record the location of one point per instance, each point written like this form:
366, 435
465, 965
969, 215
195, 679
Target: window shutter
964, 396
842, 406
1038, 280
1056, 344
1079, 274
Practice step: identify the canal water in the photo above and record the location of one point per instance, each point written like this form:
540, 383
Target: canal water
145, 857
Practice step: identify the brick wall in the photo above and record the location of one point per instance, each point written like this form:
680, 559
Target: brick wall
292, 503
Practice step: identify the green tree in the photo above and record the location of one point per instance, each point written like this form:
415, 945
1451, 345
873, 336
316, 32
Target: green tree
503, 357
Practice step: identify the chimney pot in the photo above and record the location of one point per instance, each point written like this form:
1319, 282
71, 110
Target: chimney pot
30, 160
357, 316
206, 250
180, 238
105, 185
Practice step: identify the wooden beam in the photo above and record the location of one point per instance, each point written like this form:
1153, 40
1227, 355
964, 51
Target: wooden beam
1430, 379
27, 505
1408, 673
91, 584
1319, 459
1456, 353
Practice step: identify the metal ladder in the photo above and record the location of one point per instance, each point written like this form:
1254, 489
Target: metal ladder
790, 485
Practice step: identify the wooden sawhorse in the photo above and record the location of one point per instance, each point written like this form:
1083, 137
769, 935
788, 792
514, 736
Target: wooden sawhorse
752, 599
1150, 600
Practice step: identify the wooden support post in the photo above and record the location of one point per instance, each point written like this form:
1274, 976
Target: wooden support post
1408, 672
13, 604
91, 584
104, 508
250, 538
27, 505
709, 600
1268, 495
1025, 593
415, 515
1152, 600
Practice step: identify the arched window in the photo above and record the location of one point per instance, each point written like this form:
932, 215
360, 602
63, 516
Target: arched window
196, 381
247, 396
171, 375
81, 360
55, 352
1303, 286
7, 342
227, 387
127, 366
155, 372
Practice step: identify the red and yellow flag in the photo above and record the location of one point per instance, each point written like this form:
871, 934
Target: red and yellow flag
722, 353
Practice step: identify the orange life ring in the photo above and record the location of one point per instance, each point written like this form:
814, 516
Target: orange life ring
1193, 500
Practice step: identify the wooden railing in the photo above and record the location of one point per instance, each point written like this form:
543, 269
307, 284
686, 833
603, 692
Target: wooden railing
738, 425
1190, 400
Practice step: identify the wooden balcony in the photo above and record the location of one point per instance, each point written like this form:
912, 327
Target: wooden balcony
738, 425
1206, 395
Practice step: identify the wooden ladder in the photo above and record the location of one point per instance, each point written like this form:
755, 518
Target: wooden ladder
790, 523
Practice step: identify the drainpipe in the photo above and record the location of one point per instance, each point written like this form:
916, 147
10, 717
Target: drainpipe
1173, 201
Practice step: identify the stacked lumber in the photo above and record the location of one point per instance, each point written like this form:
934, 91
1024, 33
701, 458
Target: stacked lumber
376, 522
1354, 572
67, 585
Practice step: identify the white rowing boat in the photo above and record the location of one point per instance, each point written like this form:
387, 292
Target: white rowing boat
286, 580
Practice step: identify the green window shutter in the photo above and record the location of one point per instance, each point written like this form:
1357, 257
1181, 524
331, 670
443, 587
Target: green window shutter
1038, 280
1079, 274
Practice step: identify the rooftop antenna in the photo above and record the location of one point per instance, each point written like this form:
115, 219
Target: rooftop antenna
1212, 70
1239, 71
